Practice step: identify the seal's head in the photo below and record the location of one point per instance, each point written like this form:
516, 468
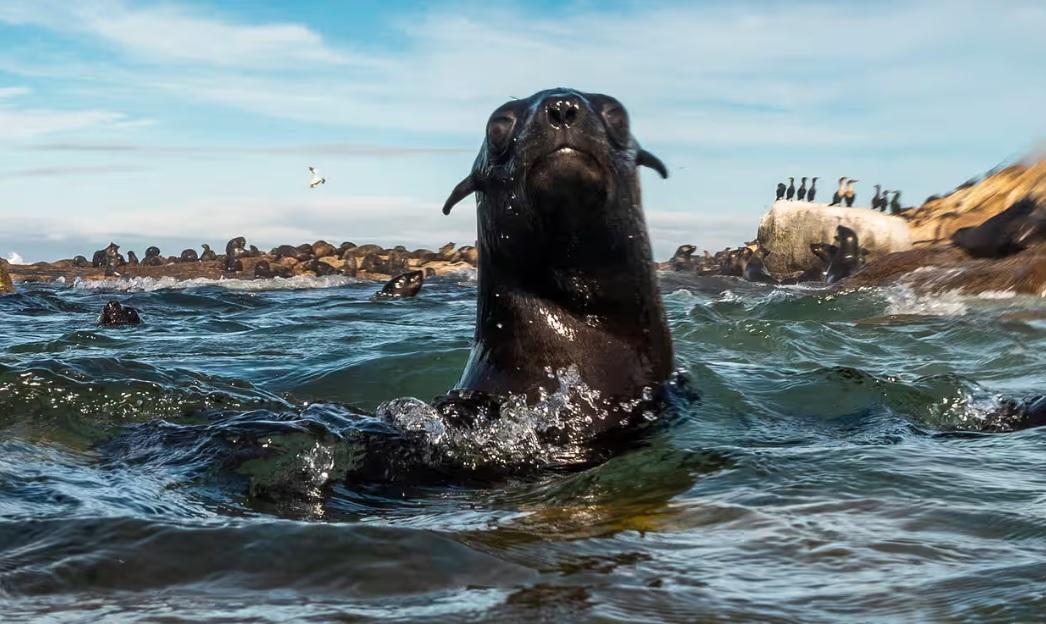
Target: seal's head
556, 176
566, 274
405, 285
846, 241
114, 314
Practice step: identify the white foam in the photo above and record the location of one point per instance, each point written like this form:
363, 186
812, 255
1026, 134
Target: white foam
903, 300
148, 284
15, 258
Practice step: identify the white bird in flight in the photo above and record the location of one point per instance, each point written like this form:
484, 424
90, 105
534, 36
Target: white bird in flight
316, 179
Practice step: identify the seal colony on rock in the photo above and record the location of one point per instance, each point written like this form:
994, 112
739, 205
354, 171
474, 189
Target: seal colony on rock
556, 180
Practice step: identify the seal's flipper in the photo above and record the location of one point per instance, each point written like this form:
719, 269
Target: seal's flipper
464, 188
646, 159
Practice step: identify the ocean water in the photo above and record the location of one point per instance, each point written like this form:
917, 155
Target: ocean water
192, 469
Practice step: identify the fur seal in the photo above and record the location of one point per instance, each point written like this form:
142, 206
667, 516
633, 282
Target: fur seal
116, 314
81, 262
189, 255
556, 179
234, 250
208, 253
683, 258
1009, 232
132, 259
315, 266
402, 286
152, 257
847, 257
754, 267
322, 249
264, 270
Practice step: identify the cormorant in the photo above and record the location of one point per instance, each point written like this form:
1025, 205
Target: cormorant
790, 193
813, 190
877, 202
895, 203
850, 194
780, 190
801, 193
837, 197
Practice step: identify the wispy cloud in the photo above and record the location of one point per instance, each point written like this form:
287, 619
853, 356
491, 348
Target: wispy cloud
178, 34
24, 122
70, 170
318, 149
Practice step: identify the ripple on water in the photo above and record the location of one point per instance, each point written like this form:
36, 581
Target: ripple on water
196, 467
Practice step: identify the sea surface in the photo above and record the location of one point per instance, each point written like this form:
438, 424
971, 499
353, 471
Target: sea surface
192, 468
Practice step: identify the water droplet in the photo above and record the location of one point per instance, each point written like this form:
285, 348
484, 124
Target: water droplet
500, 325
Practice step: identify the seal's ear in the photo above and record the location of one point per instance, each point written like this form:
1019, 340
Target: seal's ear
646, 159
464, 188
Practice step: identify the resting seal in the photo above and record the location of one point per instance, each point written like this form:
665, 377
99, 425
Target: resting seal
208, 253
1009, 232
132, 258
189, 255
556, 180
234, 251
402, 286
754, 268
115, 314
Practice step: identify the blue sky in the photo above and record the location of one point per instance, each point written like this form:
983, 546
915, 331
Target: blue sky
185, 122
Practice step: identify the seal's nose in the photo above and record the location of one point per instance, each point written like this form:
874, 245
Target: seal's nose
563, 112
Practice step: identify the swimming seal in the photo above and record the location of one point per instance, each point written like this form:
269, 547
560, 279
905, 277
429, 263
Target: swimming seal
114, 314
402, 286
556, 180
847, 257
1009, 232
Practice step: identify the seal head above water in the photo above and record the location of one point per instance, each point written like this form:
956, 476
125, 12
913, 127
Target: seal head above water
402, 286
566, 275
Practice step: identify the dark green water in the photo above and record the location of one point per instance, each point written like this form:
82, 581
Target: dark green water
814, 481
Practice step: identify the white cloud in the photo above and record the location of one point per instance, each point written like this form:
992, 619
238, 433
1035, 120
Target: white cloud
22, 123
169, 33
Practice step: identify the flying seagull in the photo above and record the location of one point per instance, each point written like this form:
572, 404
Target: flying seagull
316, 179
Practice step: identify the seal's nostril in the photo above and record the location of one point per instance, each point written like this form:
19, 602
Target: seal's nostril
562, 113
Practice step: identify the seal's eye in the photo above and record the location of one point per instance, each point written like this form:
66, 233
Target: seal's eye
616, 119
499, 129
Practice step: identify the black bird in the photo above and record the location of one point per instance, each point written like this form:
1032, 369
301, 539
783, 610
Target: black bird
837, 197
790, 193
780, 190
878, 202
801, 194
895, 203
813, 190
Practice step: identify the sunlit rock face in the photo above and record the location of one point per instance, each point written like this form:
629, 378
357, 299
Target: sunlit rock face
789, 228
974, 203
6, 285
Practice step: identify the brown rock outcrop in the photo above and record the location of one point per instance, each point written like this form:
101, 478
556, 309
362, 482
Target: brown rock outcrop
936, 220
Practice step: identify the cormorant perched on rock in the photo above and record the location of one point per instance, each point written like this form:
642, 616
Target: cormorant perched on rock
780, 190
840, 192
895, 203
813, 190
790, 193
801, 193
878, 202
850, 194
